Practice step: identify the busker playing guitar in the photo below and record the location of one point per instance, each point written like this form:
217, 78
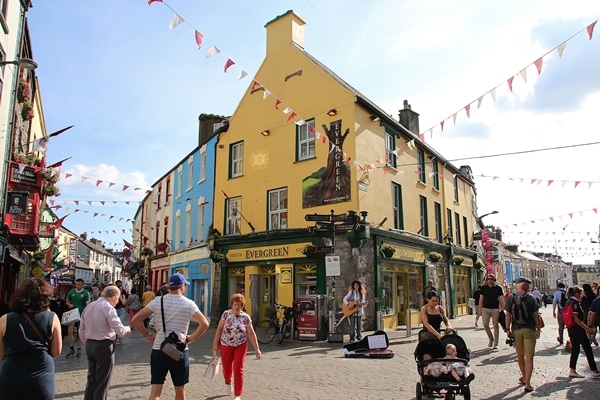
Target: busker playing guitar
354, 302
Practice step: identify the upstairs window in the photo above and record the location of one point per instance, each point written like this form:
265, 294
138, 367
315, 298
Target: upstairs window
233, 207
237, 160
397, 206
390, 146
436, 175
278, 212
421, 165
456, 188
423, 210
306, 140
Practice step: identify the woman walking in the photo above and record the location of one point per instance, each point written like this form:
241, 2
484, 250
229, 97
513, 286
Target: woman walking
31, 339
231, 340
578, 334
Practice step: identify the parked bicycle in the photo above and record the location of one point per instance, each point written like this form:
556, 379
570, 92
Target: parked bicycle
271, 328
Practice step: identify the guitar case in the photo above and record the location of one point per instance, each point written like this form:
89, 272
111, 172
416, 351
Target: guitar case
372, 346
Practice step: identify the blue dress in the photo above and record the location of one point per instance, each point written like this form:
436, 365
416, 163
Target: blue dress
27, 371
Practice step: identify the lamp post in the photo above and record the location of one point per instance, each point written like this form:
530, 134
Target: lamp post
26, 63
479, 219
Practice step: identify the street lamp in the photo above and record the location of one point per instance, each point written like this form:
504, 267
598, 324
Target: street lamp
479, 219
26, 63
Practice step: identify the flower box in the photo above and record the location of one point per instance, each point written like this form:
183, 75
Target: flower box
434, 256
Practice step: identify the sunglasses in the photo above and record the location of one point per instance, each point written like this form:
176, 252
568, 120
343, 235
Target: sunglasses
491, 279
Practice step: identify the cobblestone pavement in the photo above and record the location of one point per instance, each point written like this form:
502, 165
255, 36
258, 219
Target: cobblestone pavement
319, 370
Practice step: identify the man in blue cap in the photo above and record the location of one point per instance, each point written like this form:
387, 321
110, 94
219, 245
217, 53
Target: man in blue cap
523, 325
178, 311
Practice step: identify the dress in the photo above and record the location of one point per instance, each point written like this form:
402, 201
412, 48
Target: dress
28, 370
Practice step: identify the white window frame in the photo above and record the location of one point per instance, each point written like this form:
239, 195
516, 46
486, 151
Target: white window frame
233, 216
306, 141
190, 173
202, 174
278, 212
237, 159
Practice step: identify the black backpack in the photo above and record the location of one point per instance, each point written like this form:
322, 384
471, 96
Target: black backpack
563, 299
520, 314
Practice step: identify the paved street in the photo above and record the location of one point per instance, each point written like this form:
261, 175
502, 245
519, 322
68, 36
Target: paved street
319, 371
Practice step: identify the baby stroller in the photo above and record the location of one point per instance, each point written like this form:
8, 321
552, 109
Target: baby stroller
432, 386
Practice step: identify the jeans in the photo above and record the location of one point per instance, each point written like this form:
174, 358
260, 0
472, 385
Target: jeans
492, 313
355, 327
121, 313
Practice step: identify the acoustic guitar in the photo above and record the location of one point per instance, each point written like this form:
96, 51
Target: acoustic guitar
352, 307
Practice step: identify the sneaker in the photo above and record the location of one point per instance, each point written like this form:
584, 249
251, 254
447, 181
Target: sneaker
594, 341
238, 398
596, 374
78, 352
490, 342
229, 388
495, 346
575, 375
71, 353
476, 325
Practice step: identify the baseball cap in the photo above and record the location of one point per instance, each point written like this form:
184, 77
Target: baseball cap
178, 280
523, 280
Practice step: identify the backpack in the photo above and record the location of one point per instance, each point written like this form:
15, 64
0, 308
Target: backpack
519, 311
567, 315
563, 298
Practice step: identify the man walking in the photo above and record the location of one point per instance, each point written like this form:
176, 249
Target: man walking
523, 325
558, 302
100, 326
80, 298
178, 310
427, 289
491, 301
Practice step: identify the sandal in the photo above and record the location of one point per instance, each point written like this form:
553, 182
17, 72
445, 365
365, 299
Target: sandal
521, 381
528, 389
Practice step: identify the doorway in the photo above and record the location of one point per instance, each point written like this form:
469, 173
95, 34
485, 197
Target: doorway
200, 297
266, 294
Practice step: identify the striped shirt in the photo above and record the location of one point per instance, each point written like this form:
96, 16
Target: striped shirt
178, 313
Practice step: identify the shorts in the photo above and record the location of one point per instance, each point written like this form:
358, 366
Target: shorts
524, 341
160, 364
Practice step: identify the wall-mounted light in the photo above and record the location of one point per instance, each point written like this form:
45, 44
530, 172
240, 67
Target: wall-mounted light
266, 132
26, 63
332, 112
375, 118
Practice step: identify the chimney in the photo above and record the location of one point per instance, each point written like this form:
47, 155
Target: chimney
408, 118
283, 30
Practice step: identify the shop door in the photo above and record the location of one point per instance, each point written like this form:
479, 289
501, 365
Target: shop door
200, 290
402, 297
267, 296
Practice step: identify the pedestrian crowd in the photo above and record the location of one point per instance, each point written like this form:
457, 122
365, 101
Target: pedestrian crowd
517, 312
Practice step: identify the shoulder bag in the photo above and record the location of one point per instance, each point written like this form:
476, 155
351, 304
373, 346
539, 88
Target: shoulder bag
172, 346
37, 331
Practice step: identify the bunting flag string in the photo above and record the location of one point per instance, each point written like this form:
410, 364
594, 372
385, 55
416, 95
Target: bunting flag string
96, 214
554, 219
91, 202
97, 182
545, 182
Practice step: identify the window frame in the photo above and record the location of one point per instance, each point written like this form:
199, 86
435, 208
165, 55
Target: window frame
439, 231
229, 224
421, 166
390, 147
305, 139
457, 233
423, 215
397, 206
450, 225
280, 213
236, 163
436, 174
456, 197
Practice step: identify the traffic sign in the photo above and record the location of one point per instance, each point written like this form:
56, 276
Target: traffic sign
317, 217
321, 232
339, 217
324, 250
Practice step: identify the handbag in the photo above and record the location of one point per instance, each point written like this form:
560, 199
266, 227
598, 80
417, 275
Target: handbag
213, 368
70, 317
542, 324
37, 331
472, 303
172, 346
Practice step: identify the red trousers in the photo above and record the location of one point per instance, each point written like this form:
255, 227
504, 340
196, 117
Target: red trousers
232, 361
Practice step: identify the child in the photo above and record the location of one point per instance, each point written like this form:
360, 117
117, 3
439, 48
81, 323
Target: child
435, 369
458, 370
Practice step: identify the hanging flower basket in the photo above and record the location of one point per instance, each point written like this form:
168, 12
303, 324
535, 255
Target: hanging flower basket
29, 159
50, 190
24, 91
309, 251
49, 176
216, 256
146, 251
457, 260
434, 256
387, 250
27, 111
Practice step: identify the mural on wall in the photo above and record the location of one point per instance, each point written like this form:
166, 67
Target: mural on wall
330, 184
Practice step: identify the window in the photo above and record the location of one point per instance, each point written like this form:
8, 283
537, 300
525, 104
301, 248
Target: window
388, 279
3, 12
278, 209
456, 188
179, 180
158, 199
390, 146
168, 190
156, 234
439, 234
306, 140
190, 172
202, 175
421, 165
436, 175
397, 206
466, 231
457, 236
237, 159
2, 58
188, 226
233, 205
423, 210
178, 242
449, 219
201, 221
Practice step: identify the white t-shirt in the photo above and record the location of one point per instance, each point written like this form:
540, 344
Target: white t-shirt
178, 313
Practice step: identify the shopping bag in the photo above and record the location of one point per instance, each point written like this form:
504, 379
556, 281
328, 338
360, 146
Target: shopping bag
472, 303
70, 317
213, 368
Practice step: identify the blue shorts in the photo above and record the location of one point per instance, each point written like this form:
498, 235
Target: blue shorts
160, 364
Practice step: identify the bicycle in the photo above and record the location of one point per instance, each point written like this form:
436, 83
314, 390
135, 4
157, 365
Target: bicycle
269, 329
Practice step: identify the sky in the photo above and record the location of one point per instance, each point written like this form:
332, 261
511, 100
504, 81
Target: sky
134, 89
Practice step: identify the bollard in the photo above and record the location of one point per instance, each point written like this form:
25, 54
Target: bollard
408, 324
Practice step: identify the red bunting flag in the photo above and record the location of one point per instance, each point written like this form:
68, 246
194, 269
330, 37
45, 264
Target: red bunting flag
590, 29
538, 64
152, 1
277, 103
510, 81
550, 182
228, 64
98, 182
292, 116
312, 129
422, 137
468, 110
58, 164
255, 85
127, 244
199, 38
442, 125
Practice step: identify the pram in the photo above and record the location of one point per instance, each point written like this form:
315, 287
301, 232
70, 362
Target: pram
432, 386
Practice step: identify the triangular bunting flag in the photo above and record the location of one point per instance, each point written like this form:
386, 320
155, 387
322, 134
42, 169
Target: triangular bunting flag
228, 64
241, 75
212, 51
291, 117
199, 37
561, 48
510, 82
523, 74
590, 29
175, 21
538, 64
468, 110
255, 85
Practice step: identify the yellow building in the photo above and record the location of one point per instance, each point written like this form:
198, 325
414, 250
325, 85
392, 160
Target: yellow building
302, 142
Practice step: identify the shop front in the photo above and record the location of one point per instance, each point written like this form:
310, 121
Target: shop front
464, 278
196, 266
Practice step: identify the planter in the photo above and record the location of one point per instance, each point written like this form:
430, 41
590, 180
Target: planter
216, 257
23, 91
434, 256
457, 260
27, 111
